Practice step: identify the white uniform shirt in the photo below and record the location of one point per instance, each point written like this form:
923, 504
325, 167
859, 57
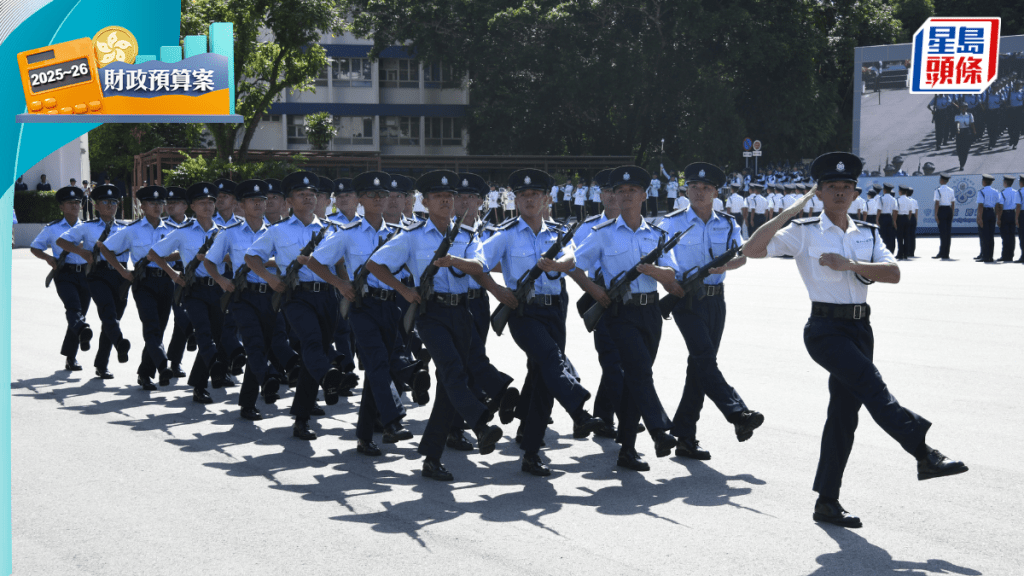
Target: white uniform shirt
672, 189
815, 203
904, 206
913, 207
681, 203
858, 205
717, 205
757, 203
595, 193
887, 204
580, 196
873, 206
652, 191
418, 206
492, 198
554, 193
807, 242
510, 200
735, 203
944, 196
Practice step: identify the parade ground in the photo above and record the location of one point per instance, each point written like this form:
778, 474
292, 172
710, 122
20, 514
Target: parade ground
109, 479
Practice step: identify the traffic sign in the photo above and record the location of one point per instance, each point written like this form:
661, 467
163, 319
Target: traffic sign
756, 152
747, 143
757, 145
747, 154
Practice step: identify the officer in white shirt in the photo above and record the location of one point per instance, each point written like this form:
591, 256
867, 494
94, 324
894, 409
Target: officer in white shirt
857, 207
682, 202
651, 206
672, 190
717, 203
736, 207
1007, 208
874, 205
903, 209
579, 198
944, 203
554, 200
912, 226
757, 207
493, 200
816, 204
887, 216
594, 202
837, 259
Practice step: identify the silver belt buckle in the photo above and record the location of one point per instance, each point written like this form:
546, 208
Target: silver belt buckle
316, 287
547, 299
262, 288
643, 299
858, 311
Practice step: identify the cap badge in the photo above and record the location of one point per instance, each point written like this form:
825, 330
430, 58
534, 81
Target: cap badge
305, 180
72, 193
341, 186
376, 181
701, 173
444, 181
256, 188
206, 190
840, 167
465, 183
170, 193
221, 185
625, 176
526, 180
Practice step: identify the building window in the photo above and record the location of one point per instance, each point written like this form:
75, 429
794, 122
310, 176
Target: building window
443, 131
297, 129
400, 130
321, 80
399, 73
270, 118
354, 130
438, 75
354, 72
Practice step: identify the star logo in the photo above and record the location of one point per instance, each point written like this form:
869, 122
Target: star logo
444, 181
526, 180
256, 188
840, 167
625, 176
701, 173
376, 181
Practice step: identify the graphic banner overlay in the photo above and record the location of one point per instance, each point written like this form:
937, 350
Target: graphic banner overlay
955, 56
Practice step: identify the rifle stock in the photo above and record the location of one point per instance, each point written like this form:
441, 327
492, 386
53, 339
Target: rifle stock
359, 281
241, 282
693, 285
96, 249
189, 275
426, 287
60, 262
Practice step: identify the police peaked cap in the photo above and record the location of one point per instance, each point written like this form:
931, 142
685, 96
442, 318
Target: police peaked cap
836, 167
344, 186
371, 182
106, 192
324, 185
274, 186
177, 193
251, 189
203, 190
888, 185
300, 181
224, 185
704, 172
987, 177
437, 181
400, 183
151, 193
530, 178
602, 178
756, 185
1008, 178
470, 183
904, 188
70, 193
791, 187
633, 175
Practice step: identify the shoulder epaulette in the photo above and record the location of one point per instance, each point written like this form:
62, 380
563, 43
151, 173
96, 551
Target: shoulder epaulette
658, 229
397, 226
416, 225
676, 212
350, 225
57, 221
862, 223
123, 222
469, 229
557, 224
725, 214
809, 220
592, 218
234, 224
603, 224
507, 223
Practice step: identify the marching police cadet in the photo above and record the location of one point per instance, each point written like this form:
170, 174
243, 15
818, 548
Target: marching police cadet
277, 208
312, 309
912, 224
226, 201
103, 281
887, 212
182, 335
69, 275
837, 258
635, 323
757, 207
944, 203
594, 198
538, 324
202, 299
1007, 208
151, 287
874, 206
467, 201
376, 319
903, 209
987, 198
444, 324
701, 320
231, 350
857, 207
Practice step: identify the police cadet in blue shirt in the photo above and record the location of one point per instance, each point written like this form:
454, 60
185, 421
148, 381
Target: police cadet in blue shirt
445, 326
72, 286
375, 322
635, 324
103, 281
344, 194
986, 217
153, 290
1007, 206
202, 302
346, 201
702, 320
230, 347
471, 191
538, 324
312, 308
837, 258
182, 335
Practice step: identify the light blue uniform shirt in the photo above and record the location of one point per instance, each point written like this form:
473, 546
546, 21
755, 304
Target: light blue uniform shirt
87, 233
219, 221
415, 248
355, 242
583, 232
615, 248
340, 218
518, 249
702, 244
138, 238
1009, 198
284, 241
483, 231
988, 196
186, 240
1017, 98
48, 239
232, 242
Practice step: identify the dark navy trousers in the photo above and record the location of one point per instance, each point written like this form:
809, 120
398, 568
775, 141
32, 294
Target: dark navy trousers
609, 391
945, 217
987, 233
73, 290
311, 317
480, 308
203, 307
104, 284
636, 331
182, 327
375, 326
887, 231
153, 301
260, 328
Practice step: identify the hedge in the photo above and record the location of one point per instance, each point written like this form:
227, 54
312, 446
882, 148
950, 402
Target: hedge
34, 206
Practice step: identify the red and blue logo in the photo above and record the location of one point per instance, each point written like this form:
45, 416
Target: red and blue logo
955, 56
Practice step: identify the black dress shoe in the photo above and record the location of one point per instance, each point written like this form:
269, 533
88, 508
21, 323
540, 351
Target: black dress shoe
394, 432
748, 422
165, 377
201, 396
84, 338
936, 465
252, 414
584, 424
349, 380
640, 427
421, 387
104, 374
833, 513
301, 430
177, 371
368, 448
190, 343
534, 465
146, 383
628, 458
663, 443
237, 364
507, 408
122, 350
606, 431
72, 365
487, 438
690, 448
331, 385
458, 441
270, 388
317, 411
936, 257
434, 469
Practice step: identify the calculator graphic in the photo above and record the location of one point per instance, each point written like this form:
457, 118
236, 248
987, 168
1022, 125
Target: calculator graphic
61, 79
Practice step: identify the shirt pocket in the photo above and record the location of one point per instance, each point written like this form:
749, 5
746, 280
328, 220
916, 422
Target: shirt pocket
691, 250
862, 251
822, 273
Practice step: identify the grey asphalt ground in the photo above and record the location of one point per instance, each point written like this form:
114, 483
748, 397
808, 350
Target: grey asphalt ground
915, 138
111, 480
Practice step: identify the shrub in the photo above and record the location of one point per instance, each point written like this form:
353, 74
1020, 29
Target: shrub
33, 206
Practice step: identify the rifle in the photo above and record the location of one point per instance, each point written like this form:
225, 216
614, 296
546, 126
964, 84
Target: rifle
241, 282
96, 249
620, 283
291, 273
56, 269
524, 286
693, 284
426, 287
137, 275
189, 275
359, 281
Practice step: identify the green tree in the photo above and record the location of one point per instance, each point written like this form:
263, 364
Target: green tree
276, 49
320, 129
1011, 12
112, 147
911, 14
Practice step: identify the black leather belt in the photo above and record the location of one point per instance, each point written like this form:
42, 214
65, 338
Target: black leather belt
313, 286
475, 293
150, 272
645, 299
409, 281
840, 311
206, 281
546, 300
714, 289
449, 299
380, 293
73, 268
259, 288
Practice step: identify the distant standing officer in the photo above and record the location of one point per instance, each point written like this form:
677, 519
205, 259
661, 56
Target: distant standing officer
1007, 210
987, 198
944, 202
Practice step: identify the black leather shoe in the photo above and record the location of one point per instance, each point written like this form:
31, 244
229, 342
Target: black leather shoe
84, 338
640, 427
606, 431
190, 343
394, 432
434, 469
301, 430
749, 421
368, 448
585, 424
252, 414
201, 396
690, 448
507, 407
165, 377
628, 458
458, 441
237, 364
177, 371
936, 465
331, 385
104, 374
349, 380
421, 387
663, 443
146, 383
72, 365
833, 513
317, 411
271, 386
534, 465
122, 350
487, 438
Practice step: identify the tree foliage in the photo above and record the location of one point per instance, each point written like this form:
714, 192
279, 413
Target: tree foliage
201, 169
112, 147
320, 129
